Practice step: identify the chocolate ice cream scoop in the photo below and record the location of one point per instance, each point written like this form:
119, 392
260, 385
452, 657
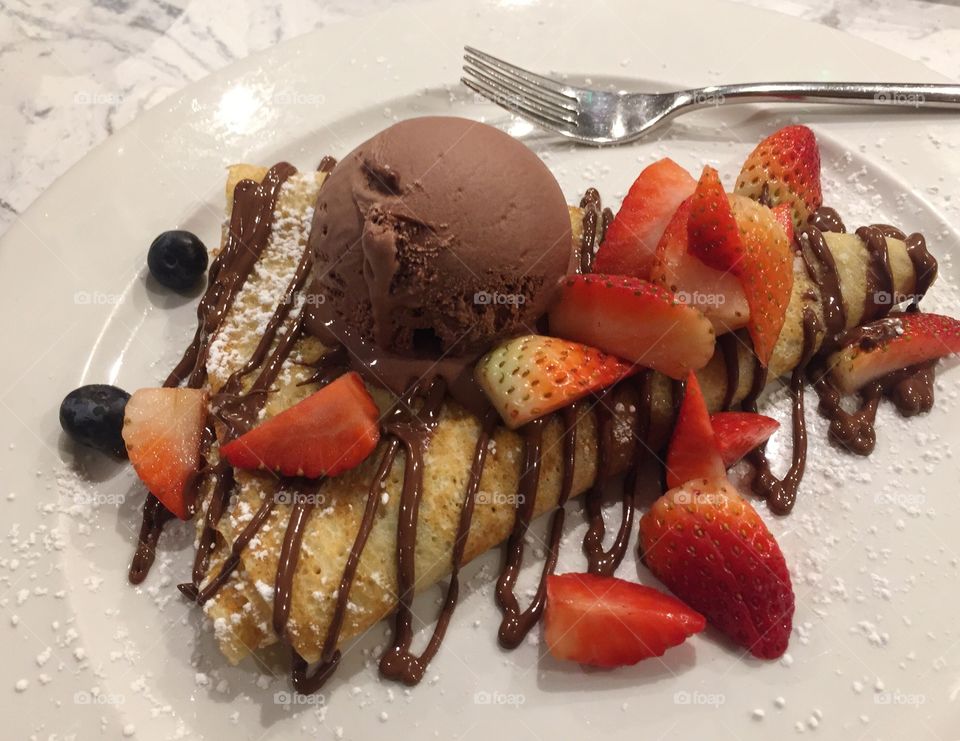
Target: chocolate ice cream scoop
435, 238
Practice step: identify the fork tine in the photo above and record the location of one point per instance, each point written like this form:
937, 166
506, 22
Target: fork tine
543, 96
531, 77
545, 107
515, 105
515, 80
508, 97
496, 97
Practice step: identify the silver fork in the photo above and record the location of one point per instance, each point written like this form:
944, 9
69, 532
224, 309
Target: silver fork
600, 117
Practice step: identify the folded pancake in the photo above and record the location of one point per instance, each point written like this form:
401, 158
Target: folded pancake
242, 609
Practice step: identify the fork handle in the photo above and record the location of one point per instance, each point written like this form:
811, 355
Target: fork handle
914, 95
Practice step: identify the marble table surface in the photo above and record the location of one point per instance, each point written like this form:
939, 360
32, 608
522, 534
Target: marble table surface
73, 72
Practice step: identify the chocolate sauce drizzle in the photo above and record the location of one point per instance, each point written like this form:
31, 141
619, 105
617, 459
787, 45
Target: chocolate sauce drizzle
880, 287
781, 494
155, 517
327, 163
412, 668
413, 431
911, 389
603, 561
517, 622
596, 219
822, 270
623, 432
728, 344
289, 557
827, 219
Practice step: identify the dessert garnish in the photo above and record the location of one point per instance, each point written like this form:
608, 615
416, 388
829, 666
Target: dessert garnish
532, 375
693, 452
329, 432
738, 433
177, 259
742, 237
630, 241
784, 170
605, 621
93, 416
710, 547
717, 294
875, 351
162, 430
602, 310
400, 360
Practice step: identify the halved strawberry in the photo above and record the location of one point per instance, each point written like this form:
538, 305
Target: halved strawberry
740, 432
712, 550
788, 163
605, 621
329, 432
633, 319
631, 239
716, 293
892, 344
530, 376
783, 213
162, 430
693, 451
736, 234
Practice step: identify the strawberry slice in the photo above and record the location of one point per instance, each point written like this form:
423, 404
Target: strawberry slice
716, 293
891, 344
787, 164
633, 319
712, 550
741, 236
693, 451
605, 621
783, 213
329, 432
530, 376
765, 272
631, 240
740, 432
162, 430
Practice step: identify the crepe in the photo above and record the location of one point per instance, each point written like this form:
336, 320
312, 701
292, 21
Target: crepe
242, 610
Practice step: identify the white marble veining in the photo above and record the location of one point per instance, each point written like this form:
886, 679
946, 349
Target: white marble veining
74, 72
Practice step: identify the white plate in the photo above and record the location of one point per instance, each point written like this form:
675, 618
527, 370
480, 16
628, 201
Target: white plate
871, 542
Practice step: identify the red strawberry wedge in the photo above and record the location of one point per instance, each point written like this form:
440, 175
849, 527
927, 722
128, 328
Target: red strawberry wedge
530, 376
693, 451
741, 236
740, 432
888, 345
329, 432
714, 292
785, 165
162, 430
631, 239
784, 216
712, 550
607, 622
635, 320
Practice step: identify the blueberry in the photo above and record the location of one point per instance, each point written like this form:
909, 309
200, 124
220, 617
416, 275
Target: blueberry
177, 259
93, 415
